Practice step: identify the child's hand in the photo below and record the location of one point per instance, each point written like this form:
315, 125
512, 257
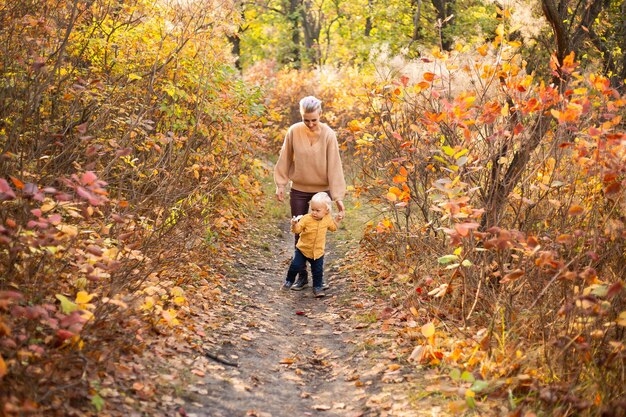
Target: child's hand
295, 219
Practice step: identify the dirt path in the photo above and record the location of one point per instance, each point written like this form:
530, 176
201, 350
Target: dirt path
296, 354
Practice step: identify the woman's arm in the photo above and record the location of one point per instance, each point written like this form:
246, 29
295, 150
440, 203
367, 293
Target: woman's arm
281, 169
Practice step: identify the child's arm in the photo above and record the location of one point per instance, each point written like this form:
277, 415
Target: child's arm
334, 225
295, 226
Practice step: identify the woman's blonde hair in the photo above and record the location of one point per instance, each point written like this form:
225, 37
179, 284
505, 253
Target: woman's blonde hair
310, 104
323, 198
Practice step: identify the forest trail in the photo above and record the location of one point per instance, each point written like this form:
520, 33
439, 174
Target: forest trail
296, 355
293, 351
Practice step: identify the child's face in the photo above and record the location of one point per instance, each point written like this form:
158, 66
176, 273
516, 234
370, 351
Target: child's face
318, 210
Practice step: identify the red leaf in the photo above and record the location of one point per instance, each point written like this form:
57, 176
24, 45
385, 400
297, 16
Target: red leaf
6, 189
64, 334
614, 289
88, 178
82, 128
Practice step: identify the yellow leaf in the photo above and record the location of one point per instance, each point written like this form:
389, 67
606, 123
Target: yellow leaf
148, 303
71, 231
428, 329
395, 190
177, 292
414, 311
391, 196
621, 320
83, 297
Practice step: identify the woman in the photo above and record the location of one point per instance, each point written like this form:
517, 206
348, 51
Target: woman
310, 159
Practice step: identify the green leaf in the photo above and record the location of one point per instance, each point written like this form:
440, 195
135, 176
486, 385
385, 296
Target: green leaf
600, 290
98, 402
479, 385
67, 306
467, 376
455, 374
466, 262
471, 402
446, 259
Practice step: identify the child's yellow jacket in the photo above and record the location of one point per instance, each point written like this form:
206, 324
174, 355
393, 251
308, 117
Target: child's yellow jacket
312, 239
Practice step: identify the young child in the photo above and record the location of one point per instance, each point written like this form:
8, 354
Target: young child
312, 228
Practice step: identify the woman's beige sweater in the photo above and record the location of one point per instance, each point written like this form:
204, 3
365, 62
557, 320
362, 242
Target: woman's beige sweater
311, 165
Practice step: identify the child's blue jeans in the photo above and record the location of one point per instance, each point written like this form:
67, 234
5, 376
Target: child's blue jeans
299, 263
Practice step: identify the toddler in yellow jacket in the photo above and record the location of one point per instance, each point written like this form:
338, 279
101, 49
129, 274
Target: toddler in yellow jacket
312, 228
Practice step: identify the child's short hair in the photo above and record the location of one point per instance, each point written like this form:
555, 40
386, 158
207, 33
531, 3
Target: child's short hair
323, 198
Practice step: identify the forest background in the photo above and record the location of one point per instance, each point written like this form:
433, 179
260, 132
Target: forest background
484, 139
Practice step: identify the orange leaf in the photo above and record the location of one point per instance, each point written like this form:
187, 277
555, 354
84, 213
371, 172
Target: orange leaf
429, 76
399, 179
403, 171
564, 238
613, 188
464, 228
512, 276
391, 196
18, 184
575, 210
3, 367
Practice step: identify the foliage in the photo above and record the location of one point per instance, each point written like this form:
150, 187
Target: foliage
503, 197
126, 137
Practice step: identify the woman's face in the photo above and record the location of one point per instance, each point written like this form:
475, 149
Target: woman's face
311, 120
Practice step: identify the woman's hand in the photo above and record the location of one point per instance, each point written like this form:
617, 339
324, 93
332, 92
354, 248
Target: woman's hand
280, 193
342, 210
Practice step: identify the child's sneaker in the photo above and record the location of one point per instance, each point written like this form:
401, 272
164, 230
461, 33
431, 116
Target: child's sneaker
300, 284
318, 292
287, 285
325, 285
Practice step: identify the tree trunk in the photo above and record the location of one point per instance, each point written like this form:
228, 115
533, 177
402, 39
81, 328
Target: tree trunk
417, 14
368, 20
294, 19
444, 19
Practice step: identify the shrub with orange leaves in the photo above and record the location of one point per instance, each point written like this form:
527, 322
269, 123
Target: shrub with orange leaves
506, 195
